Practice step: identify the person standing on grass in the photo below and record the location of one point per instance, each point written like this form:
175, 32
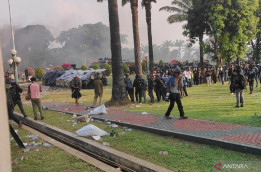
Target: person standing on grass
76, 94
129, 86
251, 76
34, 90
151, 87
15, 91
238, 83
208, 77
174, 86
98, 90
138, 88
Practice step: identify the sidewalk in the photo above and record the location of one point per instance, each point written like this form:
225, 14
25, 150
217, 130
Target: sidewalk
231, 136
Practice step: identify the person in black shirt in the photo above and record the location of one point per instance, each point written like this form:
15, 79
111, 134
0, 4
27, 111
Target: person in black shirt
15, 91
76, 89
151, 87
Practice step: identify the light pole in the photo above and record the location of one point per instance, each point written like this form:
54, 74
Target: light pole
15, 60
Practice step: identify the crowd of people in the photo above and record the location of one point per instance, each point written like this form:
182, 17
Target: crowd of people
162, 83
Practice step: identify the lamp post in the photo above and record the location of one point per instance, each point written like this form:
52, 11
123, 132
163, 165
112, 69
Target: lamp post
15, 60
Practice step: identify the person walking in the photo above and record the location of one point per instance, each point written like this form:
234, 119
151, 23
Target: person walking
15, 91
34, 90
10, 108
251, 76
98, 90
76, 94
174, 85
159, 88
221, 75
129, 86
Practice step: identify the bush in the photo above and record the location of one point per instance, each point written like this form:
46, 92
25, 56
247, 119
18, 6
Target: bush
108, 69
31, 72
66, 66
125, 68
39, 73
57, 67
95, 65
84, 67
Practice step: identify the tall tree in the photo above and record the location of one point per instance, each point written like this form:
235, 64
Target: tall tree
256, 42
136, 36
118, 86
147, 5
192, 11
179, 44
236, 22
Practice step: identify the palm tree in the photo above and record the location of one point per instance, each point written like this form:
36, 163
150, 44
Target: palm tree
118, 86
147, 5
136, 36
181, 9
179, 44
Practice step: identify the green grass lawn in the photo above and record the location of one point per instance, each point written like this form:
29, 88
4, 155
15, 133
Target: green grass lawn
209, 103
46, 159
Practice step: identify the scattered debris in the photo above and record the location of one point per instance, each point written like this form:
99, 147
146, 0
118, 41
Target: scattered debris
27, 150
99, 110
91, 130
113, 126
163, 152
47, 145
83, 118
106, 144
36, 150
144, 113
128, 129
255, 95
97, 138
137, 106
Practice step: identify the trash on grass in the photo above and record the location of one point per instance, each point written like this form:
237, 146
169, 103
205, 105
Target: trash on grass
137, 105
27, 150
11, 139
74, 116
163, 152
47, 145
255, 95
113, 126
82, 118
96, 137
91, 130
128, 129
22, 158
36, 150
144, 113
99, 110
106, 144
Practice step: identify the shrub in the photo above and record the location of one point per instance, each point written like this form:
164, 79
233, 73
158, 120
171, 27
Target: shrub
83, 67
108, 69
95, 65
57, 67
39, 73
66, 66
31, 72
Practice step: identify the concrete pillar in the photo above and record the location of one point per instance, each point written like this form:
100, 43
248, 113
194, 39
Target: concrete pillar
5, 157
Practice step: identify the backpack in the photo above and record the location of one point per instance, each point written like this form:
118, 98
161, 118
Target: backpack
240, 81
140, 84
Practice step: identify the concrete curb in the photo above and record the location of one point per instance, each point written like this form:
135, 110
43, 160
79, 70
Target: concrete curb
198, 139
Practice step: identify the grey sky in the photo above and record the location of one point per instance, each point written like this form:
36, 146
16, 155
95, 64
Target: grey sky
59, 15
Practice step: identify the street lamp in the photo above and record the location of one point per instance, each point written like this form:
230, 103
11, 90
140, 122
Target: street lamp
14, 62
